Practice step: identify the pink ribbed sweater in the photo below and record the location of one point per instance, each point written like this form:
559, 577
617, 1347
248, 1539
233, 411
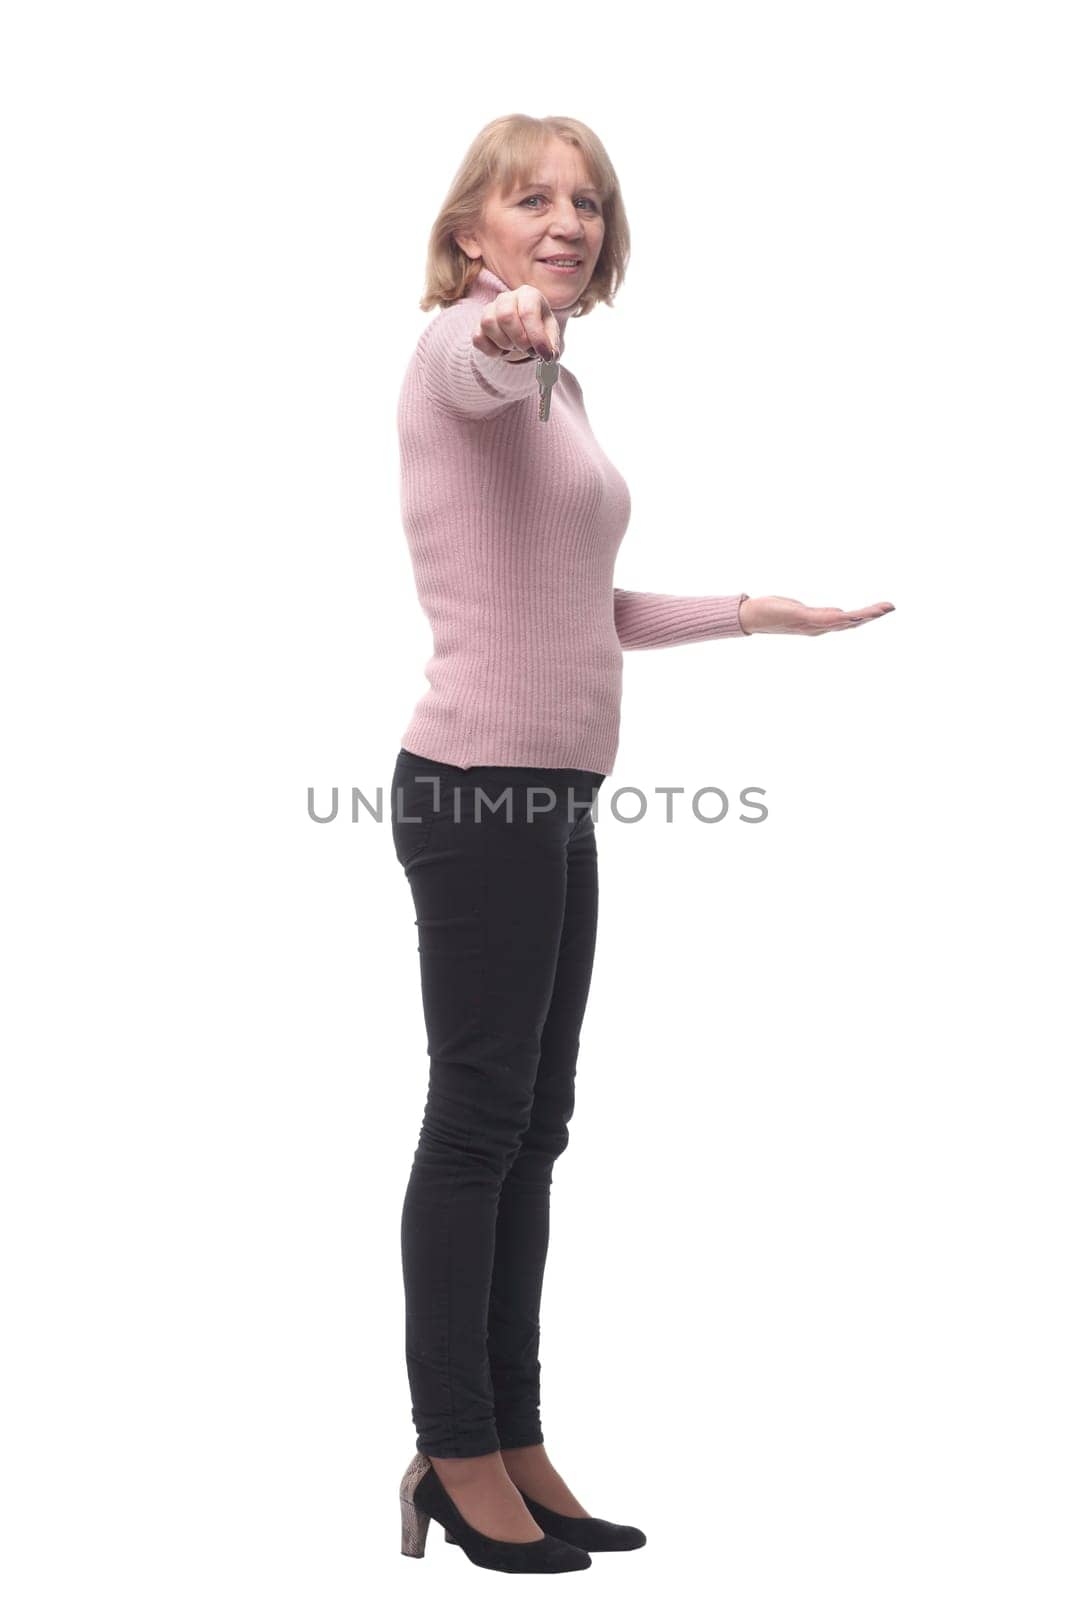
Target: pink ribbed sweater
513, 526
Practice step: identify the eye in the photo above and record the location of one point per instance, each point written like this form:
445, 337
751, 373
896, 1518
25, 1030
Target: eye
583, 198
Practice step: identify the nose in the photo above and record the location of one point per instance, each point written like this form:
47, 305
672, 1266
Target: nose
568, 223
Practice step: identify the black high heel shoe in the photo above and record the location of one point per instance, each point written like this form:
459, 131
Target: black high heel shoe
585, 1533
423, 1495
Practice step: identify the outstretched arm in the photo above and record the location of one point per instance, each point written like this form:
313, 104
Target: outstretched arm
650, 621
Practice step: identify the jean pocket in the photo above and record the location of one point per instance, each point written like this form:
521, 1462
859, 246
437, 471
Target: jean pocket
411, 835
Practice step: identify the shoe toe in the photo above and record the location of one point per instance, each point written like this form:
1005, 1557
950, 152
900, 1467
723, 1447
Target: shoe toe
569, 1557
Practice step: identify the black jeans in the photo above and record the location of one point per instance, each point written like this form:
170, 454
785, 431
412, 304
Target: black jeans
506, 911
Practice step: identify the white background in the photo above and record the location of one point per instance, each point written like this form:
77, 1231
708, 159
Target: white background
804, 1312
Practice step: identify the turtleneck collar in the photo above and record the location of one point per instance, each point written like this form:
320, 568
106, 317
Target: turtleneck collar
486, 286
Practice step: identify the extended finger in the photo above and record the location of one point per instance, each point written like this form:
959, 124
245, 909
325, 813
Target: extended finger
837, 618
868, 613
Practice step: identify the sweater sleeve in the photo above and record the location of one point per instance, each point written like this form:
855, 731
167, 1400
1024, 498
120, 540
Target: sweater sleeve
649, 621
460, 379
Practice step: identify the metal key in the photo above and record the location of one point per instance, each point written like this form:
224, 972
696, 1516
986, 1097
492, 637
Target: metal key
546, 373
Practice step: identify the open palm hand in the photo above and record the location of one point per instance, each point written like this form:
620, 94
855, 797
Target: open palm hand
774, 613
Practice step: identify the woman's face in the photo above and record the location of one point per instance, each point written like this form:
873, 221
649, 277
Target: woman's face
560, 214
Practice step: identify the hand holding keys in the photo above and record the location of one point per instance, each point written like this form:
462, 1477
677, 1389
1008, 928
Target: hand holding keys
521, 320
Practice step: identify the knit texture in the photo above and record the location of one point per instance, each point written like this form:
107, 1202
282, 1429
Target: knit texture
513, 526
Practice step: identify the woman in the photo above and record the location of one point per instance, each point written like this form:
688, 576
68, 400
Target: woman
513, 523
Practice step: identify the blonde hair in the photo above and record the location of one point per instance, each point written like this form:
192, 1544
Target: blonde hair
502, 156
